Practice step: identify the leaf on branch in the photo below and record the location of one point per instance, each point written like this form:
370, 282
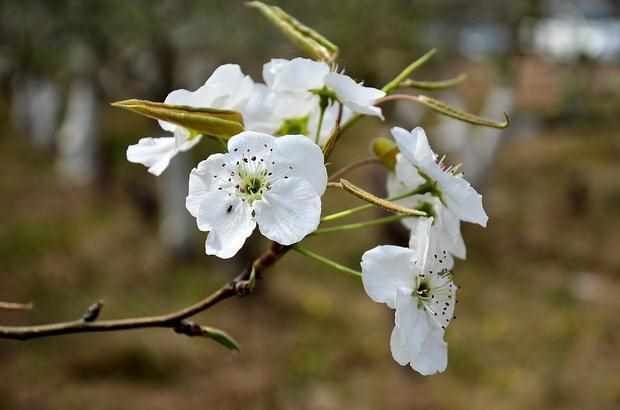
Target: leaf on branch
434, 85
310, 41
221, 337
206, 121
445, 109
380, 202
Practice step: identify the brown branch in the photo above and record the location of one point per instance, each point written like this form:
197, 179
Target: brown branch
177, 321
15, 306
345, 170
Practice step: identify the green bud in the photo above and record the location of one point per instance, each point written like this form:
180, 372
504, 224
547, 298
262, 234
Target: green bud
385, 149
199, 121
221, 337
310, 41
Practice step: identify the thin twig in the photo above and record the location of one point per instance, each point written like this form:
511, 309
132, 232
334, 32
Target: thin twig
15, 306
175, 320
361, 163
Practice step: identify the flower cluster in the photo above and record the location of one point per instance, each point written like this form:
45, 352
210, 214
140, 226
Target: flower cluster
299, 96
417, 281
273, 176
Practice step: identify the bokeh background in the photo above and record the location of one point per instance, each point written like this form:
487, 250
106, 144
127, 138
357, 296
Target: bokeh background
538, 321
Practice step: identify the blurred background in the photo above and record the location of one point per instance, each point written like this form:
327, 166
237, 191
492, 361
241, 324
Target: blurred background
538, 321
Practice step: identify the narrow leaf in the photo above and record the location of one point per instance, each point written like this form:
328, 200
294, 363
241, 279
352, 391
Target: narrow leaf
434, 85
310, 41
380, 202
452, 112
206, 121
221, 337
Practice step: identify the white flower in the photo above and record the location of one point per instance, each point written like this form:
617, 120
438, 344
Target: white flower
417, 164
423, 294
276, 183
227, 88
304, 79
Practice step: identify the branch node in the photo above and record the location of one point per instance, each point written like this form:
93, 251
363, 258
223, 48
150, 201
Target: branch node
93, 312
189, 328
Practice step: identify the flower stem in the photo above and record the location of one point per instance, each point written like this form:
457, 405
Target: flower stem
348, 227
317, 137
351, 211
326, 261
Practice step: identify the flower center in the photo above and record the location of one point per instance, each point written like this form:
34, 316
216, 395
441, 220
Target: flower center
253, 183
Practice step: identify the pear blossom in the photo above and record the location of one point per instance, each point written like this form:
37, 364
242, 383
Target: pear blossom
417, 165
275, 183
439, 190
306, 81
227, 88
420, 288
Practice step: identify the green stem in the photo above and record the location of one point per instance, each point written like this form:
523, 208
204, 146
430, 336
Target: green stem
326, 261
348, 227
317, 137
395, 83
332, 217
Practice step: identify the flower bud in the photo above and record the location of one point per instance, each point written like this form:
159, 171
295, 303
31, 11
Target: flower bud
386, 151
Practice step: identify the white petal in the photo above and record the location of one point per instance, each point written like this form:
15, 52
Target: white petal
413, 320
226, 88
356, 97
385, 269
451, 236
407, 173
414, 147
299, 74
250, 143
433, 355
204, 179
258, 112
420, 240
462, 199
229, 221
289, 211
154, 153
176, 97
398, 346
298, 157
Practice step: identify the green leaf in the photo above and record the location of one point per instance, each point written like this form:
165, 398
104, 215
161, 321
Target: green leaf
221, 337
204, 121
386, 151
434, 85
457, 114
310, 41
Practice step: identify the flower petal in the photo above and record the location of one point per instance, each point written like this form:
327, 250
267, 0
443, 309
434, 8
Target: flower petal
355, 96
154, 153
298, 157
418, 336
398, 346
462, 199
226, 88
229, 221
385, 269
433, 355
203, 179
250, 143
299, 74
414, 147
289, 211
